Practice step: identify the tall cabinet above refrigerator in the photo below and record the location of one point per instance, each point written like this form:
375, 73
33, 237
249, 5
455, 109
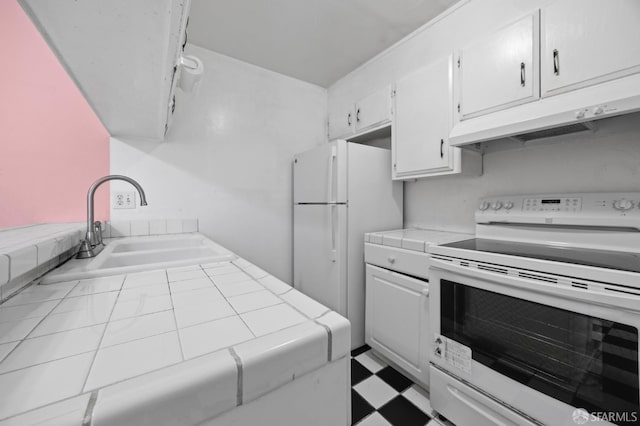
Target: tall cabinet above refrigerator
341, 190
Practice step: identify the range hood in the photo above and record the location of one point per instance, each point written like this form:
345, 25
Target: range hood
564, 113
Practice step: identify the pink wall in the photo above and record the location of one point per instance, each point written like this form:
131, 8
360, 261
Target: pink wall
52, 145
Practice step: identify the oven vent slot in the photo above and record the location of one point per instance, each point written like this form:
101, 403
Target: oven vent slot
537, 277
493, 269
635, 293
446, 259
463, 263
579, 285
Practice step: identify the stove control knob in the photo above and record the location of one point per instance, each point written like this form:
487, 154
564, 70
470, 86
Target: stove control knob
623, 204
508, 205
484, 205
496, 205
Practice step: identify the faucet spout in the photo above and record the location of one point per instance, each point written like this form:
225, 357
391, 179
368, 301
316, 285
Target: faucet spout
90, 246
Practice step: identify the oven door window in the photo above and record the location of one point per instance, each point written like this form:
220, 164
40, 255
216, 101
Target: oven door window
587, 362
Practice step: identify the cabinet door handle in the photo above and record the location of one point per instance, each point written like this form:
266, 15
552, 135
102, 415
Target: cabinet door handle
425, 292
391, 260
358, 115
556, 62
522, 74
441, 148
349, 119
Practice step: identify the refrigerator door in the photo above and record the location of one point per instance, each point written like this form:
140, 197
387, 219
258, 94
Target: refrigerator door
320, 175
320, 253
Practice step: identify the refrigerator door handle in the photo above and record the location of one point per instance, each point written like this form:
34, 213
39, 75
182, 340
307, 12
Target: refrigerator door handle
333, 233
332, 166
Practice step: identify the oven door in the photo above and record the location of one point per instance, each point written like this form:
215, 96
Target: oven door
541, 348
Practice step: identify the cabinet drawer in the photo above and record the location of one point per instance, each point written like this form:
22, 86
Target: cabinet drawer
397, 259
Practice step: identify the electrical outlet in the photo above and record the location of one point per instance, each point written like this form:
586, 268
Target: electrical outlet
123, 200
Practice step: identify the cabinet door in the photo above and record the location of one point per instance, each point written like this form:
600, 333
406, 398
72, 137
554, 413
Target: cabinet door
421, 122
397, 319
586, 42
500, 71
341, 121
374, 110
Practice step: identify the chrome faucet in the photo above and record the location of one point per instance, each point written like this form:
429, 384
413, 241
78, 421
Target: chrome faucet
92, 244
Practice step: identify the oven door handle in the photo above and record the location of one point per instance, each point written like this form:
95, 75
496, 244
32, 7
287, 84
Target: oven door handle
475, 406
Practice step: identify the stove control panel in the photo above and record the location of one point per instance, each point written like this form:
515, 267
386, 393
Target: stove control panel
582, 209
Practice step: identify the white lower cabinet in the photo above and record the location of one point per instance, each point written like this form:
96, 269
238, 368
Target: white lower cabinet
397, 313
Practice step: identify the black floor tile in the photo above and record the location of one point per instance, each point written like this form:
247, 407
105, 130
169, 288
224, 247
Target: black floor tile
358, 372
401, 412
360, 350
359, 407
394, 379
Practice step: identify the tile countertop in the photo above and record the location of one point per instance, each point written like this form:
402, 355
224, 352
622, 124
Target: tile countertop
414, 239
206, 337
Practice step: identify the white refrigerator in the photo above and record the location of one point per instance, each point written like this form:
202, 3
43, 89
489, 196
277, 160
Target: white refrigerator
341, 190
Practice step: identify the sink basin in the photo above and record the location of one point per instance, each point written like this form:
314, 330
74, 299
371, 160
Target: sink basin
137, 254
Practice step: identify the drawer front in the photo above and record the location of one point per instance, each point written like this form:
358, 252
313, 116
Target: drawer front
397, 259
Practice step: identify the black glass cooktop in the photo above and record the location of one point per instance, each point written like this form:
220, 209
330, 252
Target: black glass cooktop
620, 260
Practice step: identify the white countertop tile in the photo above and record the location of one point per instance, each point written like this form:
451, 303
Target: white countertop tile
40, 293
202, 311
305, 304
67, 412
97, 285
141, 305
273, 318
222, 270
252, 301
415, 239
275, 285
231, 278
181, 275
43, 349
133, 328
141, 279
99, 304
4, 269
340, 334
56, 380
188, 285
56, 323
115, 363
220, 334
238, 288
146, 291
185, 299
5, 348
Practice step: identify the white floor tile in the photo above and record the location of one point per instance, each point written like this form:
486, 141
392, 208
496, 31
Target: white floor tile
40, 293
419, 397
141, 305
202, 311
375, 391
55, 346
69, 321
372, 362
236, 289
213, 335
55, 380
5, 348
17, 330
252, 301
185, 275
374, 419
229, 268
187, 285
97, 285
139, 327
273, 318
141, 279
231, 278
101, 304
32, 310
120, 362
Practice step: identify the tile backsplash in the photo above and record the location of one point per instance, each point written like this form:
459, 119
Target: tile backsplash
137, 228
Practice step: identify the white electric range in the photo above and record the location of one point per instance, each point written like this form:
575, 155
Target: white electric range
535, 321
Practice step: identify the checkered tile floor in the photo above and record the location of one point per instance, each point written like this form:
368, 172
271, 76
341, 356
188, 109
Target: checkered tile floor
381, 396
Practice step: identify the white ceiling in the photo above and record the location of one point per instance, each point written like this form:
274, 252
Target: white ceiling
317, 41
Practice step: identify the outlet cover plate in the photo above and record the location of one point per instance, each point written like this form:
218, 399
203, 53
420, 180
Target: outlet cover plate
123, 200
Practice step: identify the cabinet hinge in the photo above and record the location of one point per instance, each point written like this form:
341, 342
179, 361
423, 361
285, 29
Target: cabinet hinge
458, 106
458, 62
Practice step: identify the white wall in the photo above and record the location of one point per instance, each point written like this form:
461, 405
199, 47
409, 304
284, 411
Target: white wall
607, 160
227, 158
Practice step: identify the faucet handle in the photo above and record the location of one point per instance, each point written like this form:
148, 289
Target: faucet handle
97, 226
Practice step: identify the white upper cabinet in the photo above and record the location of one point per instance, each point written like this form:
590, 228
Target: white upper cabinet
585, 42
348, 119
121, 54
374, 110
421, 122
499, 71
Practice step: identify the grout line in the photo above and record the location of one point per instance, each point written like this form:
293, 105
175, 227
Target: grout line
175, 320
88, 414
95, 355
239, 387
329, 339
